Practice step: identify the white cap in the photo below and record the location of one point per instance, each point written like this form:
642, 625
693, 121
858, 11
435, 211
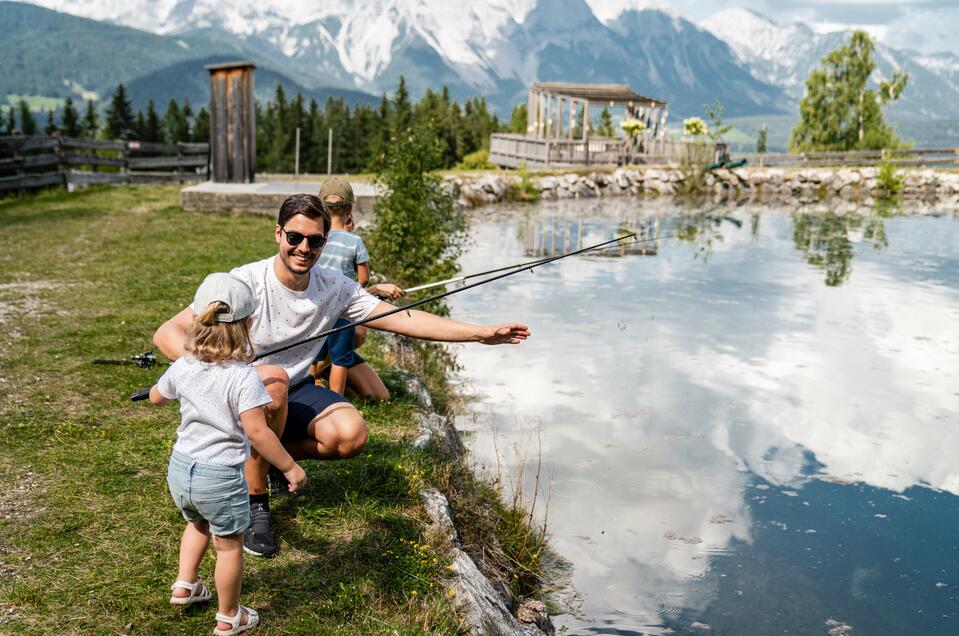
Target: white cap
226, 289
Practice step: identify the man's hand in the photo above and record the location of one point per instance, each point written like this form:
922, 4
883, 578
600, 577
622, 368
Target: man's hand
387, 291
296, 476
503, 334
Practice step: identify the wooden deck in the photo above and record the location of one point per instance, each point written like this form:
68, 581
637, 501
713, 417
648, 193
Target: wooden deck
510, 150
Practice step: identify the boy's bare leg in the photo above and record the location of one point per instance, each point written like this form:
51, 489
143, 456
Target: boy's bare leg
196, 538
339, 432
276, 382
364, 382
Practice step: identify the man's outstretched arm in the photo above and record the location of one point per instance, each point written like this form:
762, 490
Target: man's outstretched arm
170, 338
427, 326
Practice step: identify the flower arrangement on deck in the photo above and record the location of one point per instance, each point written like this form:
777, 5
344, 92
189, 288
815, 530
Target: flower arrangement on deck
633, 127
695, 127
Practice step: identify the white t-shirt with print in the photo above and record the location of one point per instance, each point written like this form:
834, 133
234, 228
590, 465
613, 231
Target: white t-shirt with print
282, 316
212, 396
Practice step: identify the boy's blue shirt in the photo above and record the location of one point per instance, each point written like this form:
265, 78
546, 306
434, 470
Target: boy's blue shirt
343, 252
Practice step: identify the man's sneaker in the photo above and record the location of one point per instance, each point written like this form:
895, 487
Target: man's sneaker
258, 540
279, 484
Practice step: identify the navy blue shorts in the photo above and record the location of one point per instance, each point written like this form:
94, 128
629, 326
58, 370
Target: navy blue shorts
306, 402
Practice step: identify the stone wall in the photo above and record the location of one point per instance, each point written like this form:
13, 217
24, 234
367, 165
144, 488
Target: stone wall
805, 185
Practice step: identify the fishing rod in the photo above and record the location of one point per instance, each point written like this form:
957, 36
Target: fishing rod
457, 279
145, 393
145, 360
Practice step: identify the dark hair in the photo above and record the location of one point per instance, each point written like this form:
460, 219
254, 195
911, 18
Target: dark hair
308, 205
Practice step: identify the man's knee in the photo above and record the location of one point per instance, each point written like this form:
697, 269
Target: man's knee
351, 432
353, 436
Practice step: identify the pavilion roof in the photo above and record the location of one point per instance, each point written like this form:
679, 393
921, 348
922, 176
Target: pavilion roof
609, 93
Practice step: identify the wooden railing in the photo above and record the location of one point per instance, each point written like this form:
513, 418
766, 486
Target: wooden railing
508, 150
911, 157
33, 162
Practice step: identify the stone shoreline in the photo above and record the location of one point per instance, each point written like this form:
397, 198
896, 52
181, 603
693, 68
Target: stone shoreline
485, 608
805, 185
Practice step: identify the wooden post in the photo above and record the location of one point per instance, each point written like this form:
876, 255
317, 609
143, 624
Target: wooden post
296, 155
530, 112
549, 116
233, 122
586, 120
179, 162
329, 152
559, 117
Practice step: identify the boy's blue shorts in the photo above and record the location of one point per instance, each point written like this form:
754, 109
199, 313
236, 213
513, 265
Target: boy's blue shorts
214, 492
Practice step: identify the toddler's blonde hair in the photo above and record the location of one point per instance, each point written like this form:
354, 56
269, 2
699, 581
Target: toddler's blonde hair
213, 341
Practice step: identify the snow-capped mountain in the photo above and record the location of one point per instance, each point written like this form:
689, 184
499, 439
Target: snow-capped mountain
496, 47
489, 47
783, 55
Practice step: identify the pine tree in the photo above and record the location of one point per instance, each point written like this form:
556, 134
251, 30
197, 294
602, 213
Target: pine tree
119, 116
11, 121
201, 128
606, 123
402, 110
91, 121
517, 119
153, 130
838, 111
51, 126
140, 126
761, 139
187, 113
28, 125
175, 125
70, 121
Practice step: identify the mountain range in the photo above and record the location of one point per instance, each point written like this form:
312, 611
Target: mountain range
357, 49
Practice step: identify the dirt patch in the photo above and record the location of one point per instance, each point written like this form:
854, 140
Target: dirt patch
23, 298
20, 498
20, 503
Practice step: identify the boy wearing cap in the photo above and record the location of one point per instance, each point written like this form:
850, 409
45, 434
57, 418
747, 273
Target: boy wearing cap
294, 301
345, 252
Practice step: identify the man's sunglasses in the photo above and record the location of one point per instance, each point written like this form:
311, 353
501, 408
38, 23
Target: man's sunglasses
295, 238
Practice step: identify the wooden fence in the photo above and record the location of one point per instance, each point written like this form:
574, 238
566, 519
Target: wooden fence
509, 150
912, 157
33, 162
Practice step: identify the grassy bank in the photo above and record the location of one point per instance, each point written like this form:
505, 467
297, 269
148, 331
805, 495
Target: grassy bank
88, 536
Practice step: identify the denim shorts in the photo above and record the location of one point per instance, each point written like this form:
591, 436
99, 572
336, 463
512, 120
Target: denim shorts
210, 492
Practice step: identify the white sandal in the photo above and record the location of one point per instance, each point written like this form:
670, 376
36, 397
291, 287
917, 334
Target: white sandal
198, 593
253, 619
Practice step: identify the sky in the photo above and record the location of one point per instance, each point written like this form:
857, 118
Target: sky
924, 25
927, 26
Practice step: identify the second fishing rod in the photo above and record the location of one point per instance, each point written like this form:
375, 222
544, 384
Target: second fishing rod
144, 393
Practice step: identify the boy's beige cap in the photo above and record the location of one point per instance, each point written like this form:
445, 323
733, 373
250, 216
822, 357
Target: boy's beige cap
227, 289
339, 188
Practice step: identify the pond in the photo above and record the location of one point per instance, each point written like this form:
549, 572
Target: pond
747, 426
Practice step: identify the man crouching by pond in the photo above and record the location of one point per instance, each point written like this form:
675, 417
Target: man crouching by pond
295, 301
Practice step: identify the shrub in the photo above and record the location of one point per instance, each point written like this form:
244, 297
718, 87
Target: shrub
478, 160
417, 233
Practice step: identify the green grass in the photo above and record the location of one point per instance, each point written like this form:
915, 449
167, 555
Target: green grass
90, 543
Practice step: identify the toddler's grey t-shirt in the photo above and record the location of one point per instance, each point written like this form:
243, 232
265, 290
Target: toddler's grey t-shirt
212, 396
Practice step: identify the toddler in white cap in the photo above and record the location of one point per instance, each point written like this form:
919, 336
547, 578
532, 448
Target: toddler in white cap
221, 399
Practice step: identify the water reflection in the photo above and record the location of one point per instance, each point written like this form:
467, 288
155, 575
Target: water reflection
826, 240
732, 442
